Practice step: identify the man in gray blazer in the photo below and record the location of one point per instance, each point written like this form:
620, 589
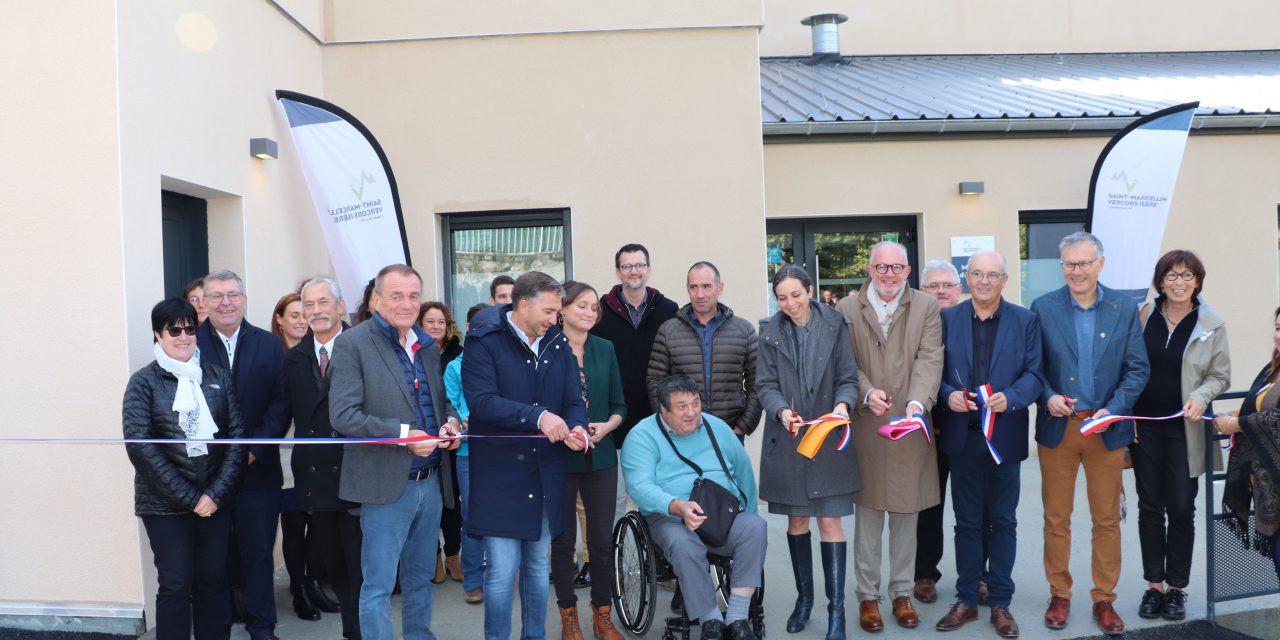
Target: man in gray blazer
386, 383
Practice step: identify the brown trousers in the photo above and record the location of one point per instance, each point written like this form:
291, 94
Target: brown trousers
1103, 471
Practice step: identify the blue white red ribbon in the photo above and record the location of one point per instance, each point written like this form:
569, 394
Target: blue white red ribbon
988, 421
577, 435
1094, 425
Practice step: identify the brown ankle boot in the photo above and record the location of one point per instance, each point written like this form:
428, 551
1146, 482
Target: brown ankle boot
602, 623
439, 577
569, 627
453, 566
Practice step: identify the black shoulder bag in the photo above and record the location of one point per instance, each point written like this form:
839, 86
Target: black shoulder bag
719, 505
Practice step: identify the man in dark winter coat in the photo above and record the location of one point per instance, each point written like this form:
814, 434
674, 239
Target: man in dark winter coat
630, 315
520, 379
712, 346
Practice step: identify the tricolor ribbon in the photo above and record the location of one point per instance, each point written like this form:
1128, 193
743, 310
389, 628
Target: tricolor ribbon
1094, 425
988, 421
814, 437
898, 428
578, 435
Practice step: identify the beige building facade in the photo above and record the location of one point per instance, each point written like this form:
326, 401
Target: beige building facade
636, 123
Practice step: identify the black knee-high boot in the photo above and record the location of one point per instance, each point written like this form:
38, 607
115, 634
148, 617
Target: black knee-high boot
833, 566
802, 567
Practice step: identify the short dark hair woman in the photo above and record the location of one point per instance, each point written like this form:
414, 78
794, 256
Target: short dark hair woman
182, 491
1190, 366
805, 369
594, 475
1253, 472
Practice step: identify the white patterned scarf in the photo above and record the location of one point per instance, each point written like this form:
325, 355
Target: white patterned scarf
188, 400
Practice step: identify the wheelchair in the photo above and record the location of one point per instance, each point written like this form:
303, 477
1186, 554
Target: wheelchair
637, 562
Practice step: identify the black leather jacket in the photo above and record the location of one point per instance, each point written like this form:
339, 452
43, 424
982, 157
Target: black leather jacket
166, 481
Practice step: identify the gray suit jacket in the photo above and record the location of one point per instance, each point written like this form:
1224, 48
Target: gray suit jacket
369, 398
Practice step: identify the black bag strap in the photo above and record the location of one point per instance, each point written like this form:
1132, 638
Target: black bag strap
715, 446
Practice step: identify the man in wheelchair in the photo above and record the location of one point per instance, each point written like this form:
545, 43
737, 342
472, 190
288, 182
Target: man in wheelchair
659, 482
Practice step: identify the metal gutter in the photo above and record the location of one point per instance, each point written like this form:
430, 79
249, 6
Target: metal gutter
1003, 125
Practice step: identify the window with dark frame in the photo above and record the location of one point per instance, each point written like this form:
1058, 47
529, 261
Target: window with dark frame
1039, 232
481, 245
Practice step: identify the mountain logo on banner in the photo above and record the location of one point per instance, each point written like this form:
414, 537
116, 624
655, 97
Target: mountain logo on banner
1128, 199
365, 178
1128, 186
361, 209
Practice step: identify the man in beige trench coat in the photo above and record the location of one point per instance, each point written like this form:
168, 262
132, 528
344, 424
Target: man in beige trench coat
897, 342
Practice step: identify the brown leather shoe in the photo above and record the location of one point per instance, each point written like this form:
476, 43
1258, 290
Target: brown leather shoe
959, 614
602, 623
926, 591
982, 593
1108, 620
1055, 617
1006, 626
905, 612
570, 629
869, 615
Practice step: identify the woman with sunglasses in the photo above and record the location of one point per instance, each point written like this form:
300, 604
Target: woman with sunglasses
182, 490
1190, 366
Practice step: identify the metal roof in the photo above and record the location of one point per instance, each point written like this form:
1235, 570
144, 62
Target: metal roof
1015, 92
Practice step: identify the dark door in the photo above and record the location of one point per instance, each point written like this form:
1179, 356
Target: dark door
185, 227
835, 251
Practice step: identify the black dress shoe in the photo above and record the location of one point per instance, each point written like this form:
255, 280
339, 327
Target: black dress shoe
317, 596
677, 602
1152, 604
304, 608
1175, 605
583, 579
713, 630
741, 630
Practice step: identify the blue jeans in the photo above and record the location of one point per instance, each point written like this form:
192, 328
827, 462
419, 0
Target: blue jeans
982, 490
472, 547
508, 556
404, 533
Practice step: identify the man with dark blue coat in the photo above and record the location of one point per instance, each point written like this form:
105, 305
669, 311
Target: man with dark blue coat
256, 360
992, 361
521, 382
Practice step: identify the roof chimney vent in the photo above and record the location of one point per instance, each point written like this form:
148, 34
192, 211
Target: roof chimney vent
826, 36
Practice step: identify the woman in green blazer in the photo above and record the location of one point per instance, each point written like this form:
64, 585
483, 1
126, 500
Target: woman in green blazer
594, 474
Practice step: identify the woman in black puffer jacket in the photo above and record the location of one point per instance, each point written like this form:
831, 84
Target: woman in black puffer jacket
181, 491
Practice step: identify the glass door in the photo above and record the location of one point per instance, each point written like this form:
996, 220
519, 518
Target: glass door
835, 251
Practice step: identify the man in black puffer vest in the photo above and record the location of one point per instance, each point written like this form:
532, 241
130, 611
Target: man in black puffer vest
630, 315
715, 348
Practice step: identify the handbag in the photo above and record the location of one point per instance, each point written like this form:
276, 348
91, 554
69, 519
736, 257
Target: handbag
719, 505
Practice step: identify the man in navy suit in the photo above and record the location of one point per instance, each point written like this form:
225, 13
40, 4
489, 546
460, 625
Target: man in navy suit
256, 360
521, 381
992, 360
1095, 364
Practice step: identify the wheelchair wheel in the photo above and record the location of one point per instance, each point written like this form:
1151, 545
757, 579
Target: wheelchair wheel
635, 577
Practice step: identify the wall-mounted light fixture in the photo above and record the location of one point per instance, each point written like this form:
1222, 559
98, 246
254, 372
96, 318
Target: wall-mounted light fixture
972, 188
263, 148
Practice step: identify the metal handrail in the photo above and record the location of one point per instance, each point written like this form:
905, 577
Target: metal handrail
1211, 439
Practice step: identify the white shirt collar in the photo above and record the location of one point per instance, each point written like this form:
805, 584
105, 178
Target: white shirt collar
410, 339
328, 346
230, 343
524, 337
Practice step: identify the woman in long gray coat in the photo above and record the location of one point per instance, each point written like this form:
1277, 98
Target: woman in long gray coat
805, 369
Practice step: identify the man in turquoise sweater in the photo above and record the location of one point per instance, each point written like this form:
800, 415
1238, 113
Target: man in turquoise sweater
659, 482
